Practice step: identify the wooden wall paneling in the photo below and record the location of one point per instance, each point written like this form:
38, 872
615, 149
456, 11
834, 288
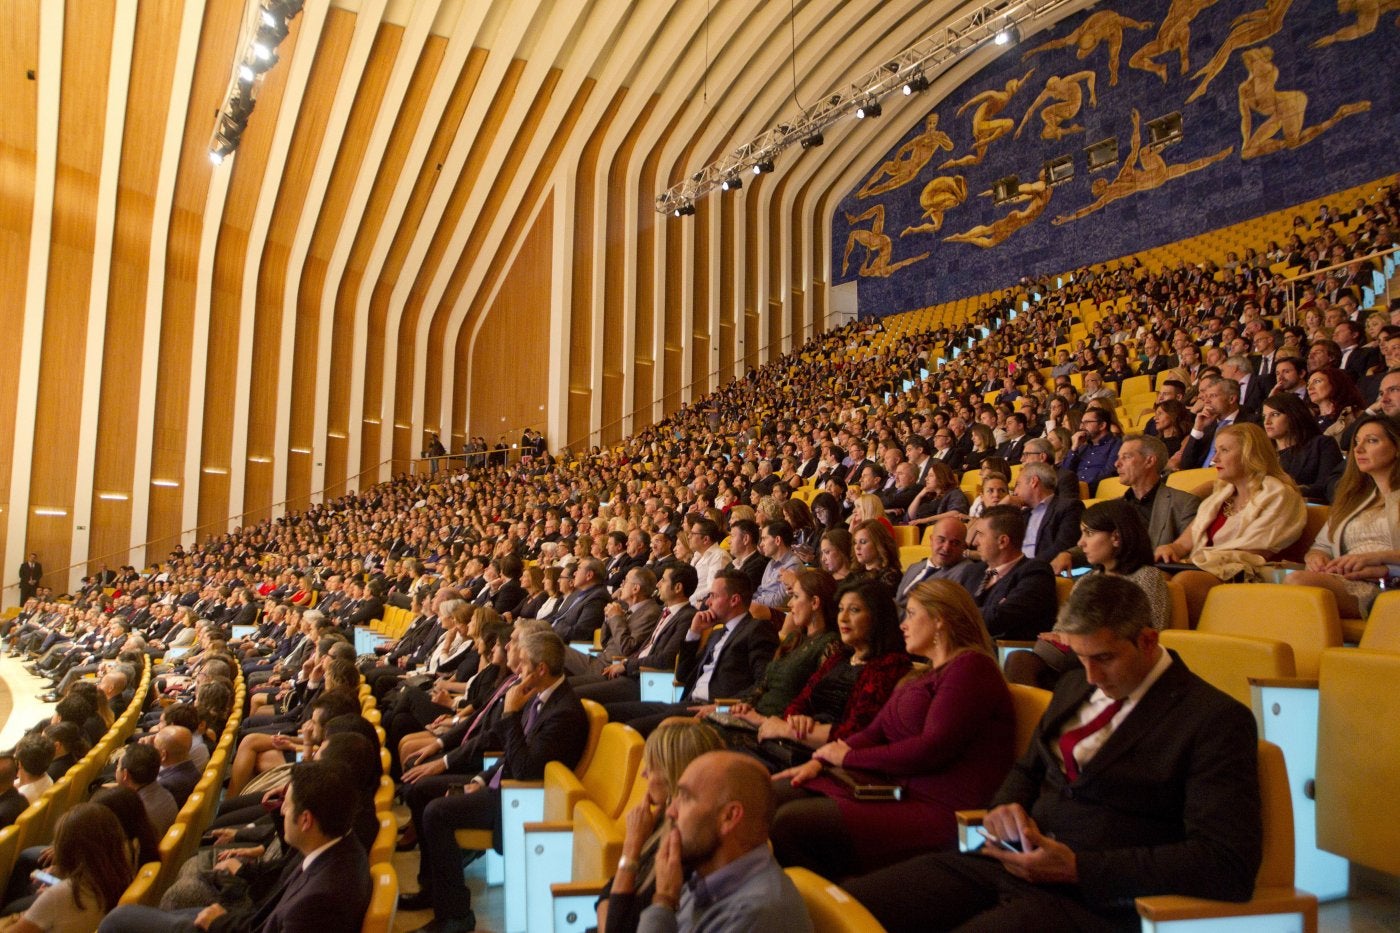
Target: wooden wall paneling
590, 316
461, 168
22, 524
19, 46
773, 267
302, 289
63, 371
330, 431
163, 214
462, 319
275, 362
497, 233
387, 247
539, 123
229, 360
702, 291
407, 442
104, 231
729, 306
619, 260
748, 299
607, 229
509, 361
349, 351
672, 266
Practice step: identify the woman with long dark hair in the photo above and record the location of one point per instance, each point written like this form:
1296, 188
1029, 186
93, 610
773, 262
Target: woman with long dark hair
1304, 452
90, 857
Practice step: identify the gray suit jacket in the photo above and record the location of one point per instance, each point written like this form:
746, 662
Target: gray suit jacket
1172, 513
627, 633
967, 573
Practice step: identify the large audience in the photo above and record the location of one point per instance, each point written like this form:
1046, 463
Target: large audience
750, 543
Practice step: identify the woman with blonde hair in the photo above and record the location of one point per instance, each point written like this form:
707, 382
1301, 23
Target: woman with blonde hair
1362, 534
868, 507
673, 745
946, 738
1254, 511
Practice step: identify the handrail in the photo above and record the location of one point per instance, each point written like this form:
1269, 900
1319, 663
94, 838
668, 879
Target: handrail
1290, 313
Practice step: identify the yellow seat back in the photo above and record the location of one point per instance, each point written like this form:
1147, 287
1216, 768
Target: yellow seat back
383, 900
1358, 757
1190, 480
607, 780
1276, 809
1227, 662
1029, 705
1383, 624
1110, 487
911, 554
832, 910
1303, 616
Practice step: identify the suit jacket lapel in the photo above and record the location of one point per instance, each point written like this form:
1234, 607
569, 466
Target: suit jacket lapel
1149, 711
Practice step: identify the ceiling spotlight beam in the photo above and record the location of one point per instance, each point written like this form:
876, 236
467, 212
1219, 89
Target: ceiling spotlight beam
910, 71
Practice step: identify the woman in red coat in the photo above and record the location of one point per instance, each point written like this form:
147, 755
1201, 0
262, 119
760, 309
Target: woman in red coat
945, 737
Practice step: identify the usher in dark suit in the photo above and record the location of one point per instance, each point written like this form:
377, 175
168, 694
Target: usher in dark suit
1168, 805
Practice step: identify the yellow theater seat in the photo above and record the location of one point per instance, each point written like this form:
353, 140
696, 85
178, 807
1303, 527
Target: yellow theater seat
1228, 662
1303, 616
383, 901
1382, 627
832, 910
1276, 904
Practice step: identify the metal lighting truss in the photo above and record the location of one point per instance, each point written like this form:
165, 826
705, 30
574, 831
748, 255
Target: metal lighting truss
928, 57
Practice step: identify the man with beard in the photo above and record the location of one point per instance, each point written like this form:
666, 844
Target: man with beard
714, 869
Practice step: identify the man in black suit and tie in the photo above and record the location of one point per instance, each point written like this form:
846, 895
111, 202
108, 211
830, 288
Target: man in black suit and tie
1141, 779
945, 448
1016, 437
325, 886
1356, 359
1220, 407
1265, 355
1017, 593
541, 721
734, 659
619, 682
947, 560
1253, 388
31, 573
582, 612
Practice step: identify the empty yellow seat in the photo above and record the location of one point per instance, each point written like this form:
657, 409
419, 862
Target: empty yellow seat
1305, 617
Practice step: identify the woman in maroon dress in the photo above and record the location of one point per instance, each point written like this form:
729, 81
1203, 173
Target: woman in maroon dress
945, 737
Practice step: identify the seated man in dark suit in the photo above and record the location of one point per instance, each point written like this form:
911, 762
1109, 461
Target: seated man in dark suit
947, 545
1141, 779
178, 774
620, 682
1052, 521
542, 721
581, 614
734, 659
12, 802
1017, 593
324, 886
1221, 407
1040, 450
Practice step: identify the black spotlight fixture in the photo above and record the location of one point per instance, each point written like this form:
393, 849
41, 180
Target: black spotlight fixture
763, 167
684, 209
915, 85
813, 141
221, 148
269, 36
732, 184
870, 109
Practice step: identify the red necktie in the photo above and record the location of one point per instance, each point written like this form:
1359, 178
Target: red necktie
1074, 736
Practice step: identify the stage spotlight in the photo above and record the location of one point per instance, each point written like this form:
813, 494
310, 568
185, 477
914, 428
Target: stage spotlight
684, 210
813, 141
221, 148
870, 109
1008, 35
732, 184
765, 166
915, 85
269, 36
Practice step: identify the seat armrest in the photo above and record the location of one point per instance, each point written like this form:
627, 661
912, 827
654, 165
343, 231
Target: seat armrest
576, 889
969, 840
547, 826
509, 784
655, 670
1287, 683
1167, 908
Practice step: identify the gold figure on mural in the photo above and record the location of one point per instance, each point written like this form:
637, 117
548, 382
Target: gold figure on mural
1143, 170
1368, 17
986, 130
1069, 100
879, 248
1247, 29
908, 160
1173, 36
996, 232
939, 196
1283, 111
1104, 26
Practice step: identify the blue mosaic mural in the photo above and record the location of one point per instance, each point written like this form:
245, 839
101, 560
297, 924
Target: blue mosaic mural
1280, 101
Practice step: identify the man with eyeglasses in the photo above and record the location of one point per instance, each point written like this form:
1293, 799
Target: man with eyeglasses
1220, 407
945, 449
1039, 450
1095, 449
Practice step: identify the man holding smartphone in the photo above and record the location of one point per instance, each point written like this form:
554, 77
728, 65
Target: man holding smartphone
1141, 779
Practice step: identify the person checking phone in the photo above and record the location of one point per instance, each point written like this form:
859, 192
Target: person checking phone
1140, 779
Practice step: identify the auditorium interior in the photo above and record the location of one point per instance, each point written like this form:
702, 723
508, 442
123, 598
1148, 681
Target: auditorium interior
419, 296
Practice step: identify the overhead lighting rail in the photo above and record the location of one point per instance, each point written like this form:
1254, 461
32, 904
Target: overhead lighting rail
265, 25
996, 23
